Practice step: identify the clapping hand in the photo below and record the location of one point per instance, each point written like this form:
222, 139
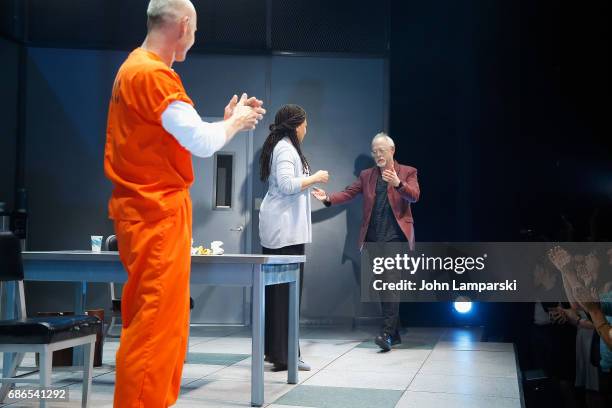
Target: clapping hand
559, 257
557, 315
246, 116
253, 102
390, 176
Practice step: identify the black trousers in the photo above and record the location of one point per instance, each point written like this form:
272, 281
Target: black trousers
277, 310
605, 387
390, 300
390, 305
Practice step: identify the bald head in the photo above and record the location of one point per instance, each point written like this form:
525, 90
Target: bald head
164, 13
171, 29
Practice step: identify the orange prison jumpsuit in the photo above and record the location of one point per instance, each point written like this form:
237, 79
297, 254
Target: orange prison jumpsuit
151, 209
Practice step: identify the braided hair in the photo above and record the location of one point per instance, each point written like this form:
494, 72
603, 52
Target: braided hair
287, 119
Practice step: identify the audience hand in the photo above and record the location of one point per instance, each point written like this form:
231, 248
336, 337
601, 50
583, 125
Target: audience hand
559, 257
570, 315
557, 315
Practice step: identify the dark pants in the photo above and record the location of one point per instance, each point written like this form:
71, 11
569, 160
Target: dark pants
277, 310
605, 387
390, 299
553, 348
390, 304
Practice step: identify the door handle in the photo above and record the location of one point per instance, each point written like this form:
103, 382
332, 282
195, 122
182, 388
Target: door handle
238, 228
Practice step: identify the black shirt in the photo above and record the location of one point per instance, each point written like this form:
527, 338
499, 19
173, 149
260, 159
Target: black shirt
383, 225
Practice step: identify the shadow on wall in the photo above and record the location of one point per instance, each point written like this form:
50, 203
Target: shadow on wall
353, 214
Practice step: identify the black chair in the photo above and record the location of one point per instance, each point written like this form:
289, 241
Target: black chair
111, 245
42, 335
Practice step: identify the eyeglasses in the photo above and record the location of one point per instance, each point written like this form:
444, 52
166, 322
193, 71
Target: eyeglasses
381, 151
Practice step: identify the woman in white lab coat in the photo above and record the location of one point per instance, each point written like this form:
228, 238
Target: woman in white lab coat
284, 217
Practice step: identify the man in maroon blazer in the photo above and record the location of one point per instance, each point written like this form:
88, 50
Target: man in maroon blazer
388, 190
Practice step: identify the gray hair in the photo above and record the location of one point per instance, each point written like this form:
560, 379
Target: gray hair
383, 135
160, 12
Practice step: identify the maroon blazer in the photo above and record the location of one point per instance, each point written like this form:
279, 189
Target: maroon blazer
399, 198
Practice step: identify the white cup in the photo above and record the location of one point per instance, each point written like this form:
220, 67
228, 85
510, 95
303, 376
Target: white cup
96, 243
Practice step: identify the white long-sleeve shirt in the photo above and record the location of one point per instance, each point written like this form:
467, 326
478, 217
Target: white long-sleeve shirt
201, 138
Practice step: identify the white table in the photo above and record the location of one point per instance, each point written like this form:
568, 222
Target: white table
254, 271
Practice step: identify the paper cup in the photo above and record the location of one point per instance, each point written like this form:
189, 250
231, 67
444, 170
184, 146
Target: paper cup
96, 243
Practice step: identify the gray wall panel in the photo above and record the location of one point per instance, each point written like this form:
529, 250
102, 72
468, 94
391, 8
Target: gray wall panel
344, 101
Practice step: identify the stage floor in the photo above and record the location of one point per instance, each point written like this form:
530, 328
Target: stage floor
433, 367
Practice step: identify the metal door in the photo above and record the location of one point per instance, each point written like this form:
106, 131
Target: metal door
221, 196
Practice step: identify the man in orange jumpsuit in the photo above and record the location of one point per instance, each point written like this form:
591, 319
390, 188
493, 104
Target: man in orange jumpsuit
152, 131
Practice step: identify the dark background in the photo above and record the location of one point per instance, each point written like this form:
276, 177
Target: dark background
504, 107
514, 96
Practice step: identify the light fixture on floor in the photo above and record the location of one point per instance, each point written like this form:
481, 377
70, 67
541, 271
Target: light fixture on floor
462, 305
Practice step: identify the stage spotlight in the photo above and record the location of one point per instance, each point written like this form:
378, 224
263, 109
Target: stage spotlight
462, 305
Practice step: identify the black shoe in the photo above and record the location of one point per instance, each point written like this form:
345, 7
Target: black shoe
279, 367
396, 339
383, 341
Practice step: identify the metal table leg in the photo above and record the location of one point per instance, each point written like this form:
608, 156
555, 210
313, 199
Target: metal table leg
258, 311
294, 324
80, 297
8, 313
